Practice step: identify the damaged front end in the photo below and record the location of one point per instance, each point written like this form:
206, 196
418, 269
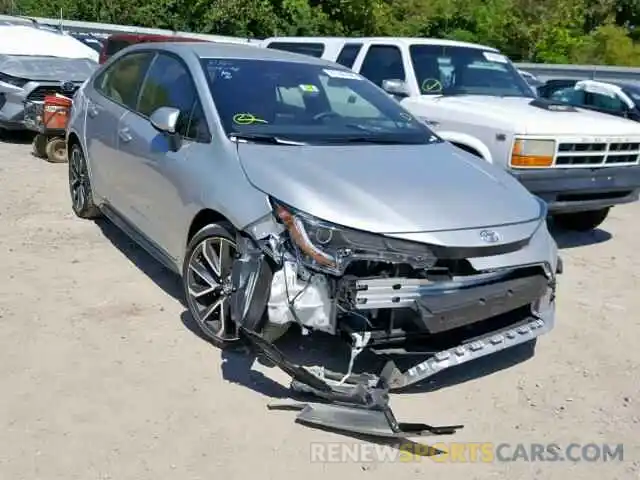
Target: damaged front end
391, 296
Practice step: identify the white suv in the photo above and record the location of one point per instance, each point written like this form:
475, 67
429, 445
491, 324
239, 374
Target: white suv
580, 162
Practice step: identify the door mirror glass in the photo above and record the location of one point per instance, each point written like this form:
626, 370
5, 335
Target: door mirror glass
395, 87
165, 119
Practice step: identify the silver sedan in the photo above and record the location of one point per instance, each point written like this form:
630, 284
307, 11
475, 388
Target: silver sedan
287, 190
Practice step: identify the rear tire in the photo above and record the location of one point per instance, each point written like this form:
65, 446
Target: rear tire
581, 221
80, 185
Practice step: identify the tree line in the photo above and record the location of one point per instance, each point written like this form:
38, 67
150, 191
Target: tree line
549, 31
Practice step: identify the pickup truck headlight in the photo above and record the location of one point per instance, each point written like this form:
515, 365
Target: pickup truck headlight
533, 153
330, 248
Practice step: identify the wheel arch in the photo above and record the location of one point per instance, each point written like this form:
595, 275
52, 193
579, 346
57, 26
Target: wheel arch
204, 217
72, 139
468, 143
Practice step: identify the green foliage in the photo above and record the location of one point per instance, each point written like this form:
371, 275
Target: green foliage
551, 31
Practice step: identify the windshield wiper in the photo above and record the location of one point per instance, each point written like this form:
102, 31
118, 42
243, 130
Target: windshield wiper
263, 138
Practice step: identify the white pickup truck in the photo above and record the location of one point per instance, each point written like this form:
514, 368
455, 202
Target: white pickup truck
580, 162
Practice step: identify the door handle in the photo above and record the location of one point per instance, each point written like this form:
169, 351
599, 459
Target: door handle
92, 109
431, 123
124, 135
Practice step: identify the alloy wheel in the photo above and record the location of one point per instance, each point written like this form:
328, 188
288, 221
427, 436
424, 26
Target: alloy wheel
78, 179
209, 287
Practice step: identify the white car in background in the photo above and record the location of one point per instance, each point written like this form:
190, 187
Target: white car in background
580, 162
35, 62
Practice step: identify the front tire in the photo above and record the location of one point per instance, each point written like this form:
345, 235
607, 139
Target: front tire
206, 280
80, 185
581, 221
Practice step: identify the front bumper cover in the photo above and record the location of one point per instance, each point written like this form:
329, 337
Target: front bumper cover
569, 190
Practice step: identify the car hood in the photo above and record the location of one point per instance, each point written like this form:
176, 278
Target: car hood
523, 118
389, 188
47, 68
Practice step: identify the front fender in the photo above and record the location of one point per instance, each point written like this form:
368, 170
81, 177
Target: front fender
469, 141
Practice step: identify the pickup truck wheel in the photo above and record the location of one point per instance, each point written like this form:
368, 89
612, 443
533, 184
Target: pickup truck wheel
581, 221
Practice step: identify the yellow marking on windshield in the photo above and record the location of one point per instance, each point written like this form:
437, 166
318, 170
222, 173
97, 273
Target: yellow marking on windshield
431, 85
247, 119
307, 88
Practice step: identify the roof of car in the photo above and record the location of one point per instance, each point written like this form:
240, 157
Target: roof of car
402, 40
635, 87
136, 36
233, 50
625, 85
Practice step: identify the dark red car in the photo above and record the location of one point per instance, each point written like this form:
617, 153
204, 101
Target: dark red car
118, 41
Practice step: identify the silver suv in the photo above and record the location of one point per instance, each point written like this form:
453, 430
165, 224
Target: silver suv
290, 190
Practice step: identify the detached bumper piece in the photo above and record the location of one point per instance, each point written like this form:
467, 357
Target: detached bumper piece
358, 404
526, 331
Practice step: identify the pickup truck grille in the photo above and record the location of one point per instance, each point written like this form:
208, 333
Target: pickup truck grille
597, 154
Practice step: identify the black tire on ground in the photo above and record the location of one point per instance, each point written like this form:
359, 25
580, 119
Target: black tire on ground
80, 185
205, 285
40, 146
581, 221
56, 150
206, 278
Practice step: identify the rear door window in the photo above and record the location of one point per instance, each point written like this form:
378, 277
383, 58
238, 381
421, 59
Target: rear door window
611, 104
311, 49
348, 54
121, 81
383, 62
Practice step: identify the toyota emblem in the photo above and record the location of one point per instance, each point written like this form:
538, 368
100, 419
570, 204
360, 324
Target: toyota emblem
67, 87
489, 236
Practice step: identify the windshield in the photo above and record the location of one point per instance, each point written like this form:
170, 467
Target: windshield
306, 103
453, 70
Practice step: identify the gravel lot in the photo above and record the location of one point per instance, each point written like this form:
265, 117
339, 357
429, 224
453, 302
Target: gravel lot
102, 376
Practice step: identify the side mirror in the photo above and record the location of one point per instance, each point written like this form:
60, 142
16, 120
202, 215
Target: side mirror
165, 120
396, 87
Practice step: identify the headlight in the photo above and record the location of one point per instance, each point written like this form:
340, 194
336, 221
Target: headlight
331, 248
533, 153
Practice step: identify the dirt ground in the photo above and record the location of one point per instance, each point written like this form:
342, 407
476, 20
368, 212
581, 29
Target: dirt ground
102, 377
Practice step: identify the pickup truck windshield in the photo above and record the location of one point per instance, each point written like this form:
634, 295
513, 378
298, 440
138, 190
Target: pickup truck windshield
306, 102
455, 70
